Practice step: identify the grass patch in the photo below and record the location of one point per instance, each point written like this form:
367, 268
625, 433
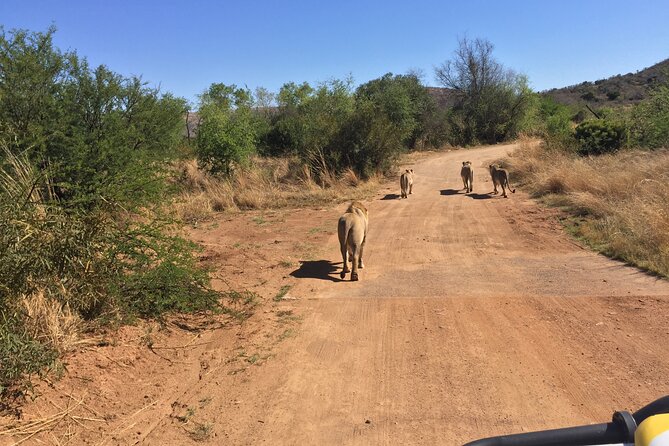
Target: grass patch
259, 220
287, 333
620, 202
267, 183
287, 316
282, 293
201, 431
240, 304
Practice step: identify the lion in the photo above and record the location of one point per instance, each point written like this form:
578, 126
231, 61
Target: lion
500, 177
406, 183
352, 231
467, 174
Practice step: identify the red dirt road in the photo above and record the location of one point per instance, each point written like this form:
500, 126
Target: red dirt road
475, 315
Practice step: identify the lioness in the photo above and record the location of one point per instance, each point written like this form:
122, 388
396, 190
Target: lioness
406, 183
467, 174
352, 230
500, 177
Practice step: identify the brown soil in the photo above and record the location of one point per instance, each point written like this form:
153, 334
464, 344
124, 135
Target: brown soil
475, 315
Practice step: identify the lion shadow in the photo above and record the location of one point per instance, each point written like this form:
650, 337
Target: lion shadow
317, 269
487, 196
391, 197
449, 191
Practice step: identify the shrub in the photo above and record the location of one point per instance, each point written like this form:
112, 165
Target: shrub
588, 96
613, 95
649, 125
404, 103
83, 155
227, 133
599, 136
20, 355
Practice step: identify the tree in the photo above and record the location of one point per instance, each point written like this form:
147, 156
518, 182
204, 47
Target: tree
102, 136
227, 134
403, 100
492, 99
649, 125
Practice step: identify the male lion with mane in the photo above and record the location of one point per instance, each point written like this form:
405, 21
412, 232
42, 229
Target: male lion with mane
500, 177
352, 231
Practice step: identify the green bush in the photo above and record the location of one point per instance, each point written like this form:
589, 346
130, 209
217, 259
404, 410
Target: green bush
331, 128
370, 142
599, 136
613, 95
20, 355
227, 133
403, 101
649, 126
83, 160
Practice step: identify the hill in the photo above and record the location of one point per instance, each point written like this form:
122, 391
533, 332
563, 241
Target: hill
617, 90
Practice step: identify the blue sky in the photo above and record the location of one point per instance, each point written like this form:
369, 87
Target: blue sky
184, 46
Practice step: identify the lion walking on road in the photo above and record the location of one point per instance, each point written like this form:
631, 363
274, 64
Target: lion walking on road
406, 183
352, 231
467, 175
500, 177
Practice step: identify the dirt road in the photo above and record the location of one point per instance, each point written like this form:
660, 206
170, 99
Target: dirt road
475, 315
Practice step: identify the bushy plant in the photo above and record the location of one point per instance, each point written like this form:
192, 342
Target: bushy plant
492, 100
333, 129
403, 101
83, 156
104, 137
20, 355
371, 142
309, 124
599, 136
649, 123
227, 133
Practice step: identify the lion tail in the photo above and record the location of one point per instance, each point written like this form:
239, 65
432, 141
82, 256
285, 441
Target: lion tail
513, 191
343, 230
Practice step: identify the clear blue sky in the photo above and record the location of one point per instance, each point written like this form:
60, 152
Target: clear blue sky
184, 46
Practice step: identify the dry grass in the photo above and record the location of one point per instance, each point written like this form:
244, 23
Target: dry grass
50, 322
622, 199
266, 184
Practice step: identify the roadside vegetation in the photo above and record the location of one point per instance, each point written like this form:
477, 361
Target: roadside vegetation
609, 170
84, 158
330, 142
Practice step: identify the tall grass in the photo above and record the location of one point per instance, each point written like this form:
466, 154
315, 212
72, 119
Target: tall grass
622, 199
268, 183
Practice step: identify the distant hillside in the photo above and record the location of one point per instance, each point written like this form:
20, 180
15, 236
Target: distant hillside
616, 90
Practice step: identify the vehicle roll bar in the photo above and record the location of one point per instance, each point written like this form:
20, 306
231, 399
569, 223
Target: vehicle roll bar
620, 430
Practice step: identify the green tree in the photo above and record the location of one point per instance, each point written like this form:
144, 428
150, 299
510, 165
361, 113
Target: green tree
403, 100
287, 126
102, 136
83, 156
492, 100
310, 122
227, 135
649, 126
